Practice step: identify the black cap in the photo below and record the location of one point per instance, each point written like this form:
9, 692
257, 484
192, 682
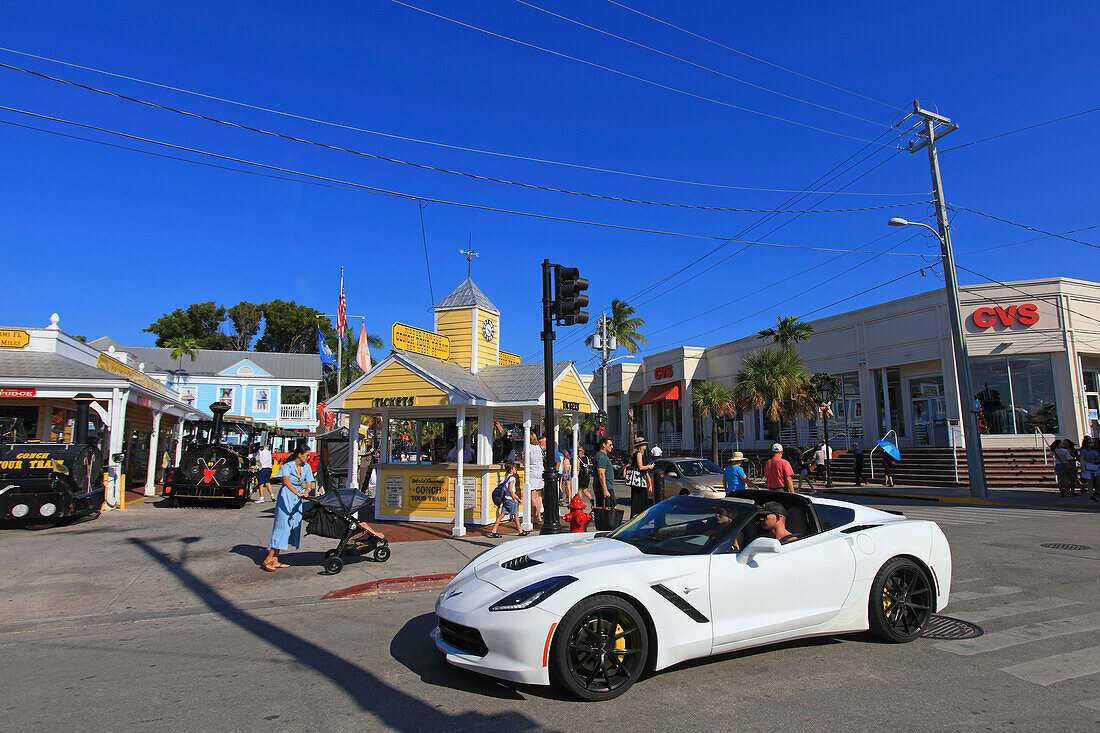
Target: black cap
774, 507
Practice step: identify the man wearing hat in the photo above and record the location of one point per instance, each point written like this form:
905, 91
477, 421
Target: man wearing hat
778, 474
735, 474
773, 523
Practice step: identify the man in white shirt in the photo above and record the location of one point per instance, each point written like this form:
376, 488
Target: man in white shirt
656, 452
262, 458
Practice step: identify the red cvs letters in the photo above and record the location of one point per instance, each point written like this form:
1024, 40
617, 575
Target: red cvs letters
1026, 315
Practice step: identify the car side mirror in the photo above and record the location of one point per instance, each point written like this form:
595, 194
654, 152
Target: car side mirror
759, 546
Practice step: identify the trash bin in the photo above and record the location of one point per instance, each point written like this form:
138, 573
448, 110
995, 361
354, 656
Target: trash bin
940, 437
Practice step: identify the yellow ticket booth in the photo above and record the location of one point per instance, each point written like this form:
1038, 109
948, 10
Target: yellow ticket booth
455, 375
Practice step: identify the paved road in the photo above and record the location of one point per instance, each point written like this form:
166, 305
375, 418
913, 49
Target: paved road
190, 648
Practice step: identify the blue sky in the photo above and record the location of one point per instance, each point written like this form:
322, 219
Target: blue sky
112, 239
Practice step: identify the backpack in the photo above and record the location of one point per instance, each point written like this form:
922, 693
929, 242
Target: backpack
499, 491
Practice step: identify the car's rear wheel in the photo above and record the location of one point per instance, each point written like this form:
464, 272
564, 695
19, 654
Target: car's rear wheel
901, 601
600, 648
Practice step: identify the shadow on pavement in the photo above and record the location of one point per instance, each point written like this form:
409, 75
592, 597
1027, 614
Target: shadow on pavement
390, 706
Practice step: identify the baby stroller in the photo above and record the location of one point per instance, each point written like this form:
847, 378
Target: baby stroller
333, 515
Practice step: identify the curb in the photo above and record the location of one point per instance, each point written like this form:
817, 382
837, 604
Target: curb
388, 586
926, 497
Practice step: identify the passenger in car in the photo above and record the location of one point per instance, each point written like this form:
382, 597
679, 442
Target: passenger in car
773, 522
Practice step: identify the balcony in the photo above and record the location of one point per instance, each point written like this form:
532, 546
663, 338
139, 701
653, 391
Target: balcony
295, 413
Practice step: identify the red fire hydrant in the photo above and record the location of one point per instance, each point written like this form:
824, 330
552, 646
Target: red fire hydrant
577, 518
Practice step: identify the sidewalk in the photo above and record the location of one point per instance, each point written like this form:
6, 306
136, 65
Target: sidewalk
1027, 497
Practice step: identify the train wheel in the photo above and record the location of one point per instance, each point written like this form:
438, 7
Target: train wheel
334, 565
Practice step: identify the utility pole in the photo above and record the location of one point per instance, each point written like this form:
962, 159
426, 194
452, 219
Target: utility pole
604, 352
975, 464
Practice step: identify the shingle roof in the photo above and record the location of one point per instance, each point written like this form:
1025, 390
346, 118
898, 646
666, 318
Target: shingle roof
451, 373
34, 366
518, 382
465, 295
210, 362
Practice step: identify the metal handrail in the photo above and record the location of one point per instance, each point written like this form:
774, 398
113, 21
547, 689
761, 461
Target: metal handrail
876, 446
1041, 438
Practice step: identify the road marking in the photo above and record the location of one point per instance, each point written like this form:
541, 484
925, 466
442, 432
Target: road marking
1014, 609
949, 515
1058, 668
1024, 634
973, 595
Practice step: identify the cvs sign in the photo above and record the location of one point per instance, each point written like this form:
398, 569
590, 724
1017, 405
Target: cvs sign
1026, 315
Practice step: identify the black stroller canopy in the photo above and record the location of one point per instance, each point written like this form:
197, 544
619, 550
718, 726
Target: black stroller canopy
345, 501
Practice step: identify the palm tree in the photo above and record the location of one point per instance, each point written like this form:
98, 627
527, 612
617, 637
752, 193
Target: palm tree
182, 346
714, 400
788, 331
775, 381
624, 327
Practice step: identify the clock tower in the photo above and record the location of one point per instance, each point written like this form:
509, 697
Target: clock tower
472, 324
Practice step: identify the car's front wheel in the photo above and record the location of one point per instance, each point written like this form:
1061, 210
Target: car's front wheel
901, 601
600, 648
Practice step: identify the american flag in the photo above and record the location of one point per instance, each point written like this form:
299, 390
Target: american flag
342, 315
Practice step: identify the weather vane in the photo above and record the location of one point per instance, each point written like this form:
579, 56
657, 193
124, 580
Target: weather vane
470, 255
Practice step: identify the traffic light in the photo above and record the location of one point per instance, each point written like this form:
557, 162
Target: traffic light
568, 298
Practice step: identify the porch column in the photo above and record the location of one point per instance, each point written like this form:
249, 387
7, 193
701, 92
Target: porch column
353, 450
154, 442
179, 441
45, 424
484, 457
460, 520
384, 448
526, 525
119, 398
574, 485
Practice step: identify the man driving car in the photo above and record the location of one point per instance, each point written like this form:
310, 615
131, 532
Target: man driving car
773, 523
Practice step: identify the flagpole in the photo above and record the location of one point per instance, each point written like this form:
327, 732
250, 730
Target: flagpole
340, 345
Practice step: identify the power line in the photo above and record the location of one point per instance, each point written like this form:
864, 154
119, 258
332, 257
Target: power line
421, 141
1025, 226
414, 197
424, 236
627, 74
1025, 241
754, 58
1022, 129
422, 166
697, 65
1012, 287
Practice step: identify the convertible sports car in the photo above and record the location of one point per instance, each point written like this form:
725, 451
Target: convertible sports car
688, 578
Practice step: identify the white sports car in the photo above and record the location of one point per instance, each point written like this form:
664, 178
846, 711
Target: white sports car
688, 578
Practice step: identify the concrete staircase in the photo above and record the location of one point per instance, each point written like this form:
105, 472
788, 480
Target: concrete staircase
1005, 468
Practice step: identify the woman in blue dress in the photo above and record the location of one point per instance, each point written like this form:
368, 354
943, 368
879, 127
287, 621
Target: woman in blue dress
297, 480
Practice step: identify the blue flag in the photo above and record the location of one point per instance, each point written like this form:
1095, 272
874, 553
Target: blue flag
324, 350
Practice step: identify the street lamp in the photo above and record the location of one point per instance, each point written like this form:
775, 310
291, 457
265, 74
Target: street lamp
972, 435
825, 386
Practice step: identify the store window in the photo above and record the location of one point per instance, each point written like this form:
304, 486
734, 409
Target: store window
1015, 393
847, 408
27, 415
670, 424
766, 430
892, 395
928, 407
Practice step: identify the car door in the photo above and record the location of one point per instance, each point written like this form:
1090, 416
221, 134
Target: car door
803, 585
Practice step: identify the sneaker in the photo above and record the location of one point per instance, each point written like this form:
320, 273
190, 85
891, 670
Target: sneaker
258, 501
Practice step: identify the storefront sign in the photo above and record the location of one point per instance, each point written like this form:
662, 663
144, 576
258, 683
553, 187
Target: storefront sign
14, 338
417, 341
662, 373
108, 364
18, 393
570, 405
428, 491
506, 359
394, 491
394, 401
1026, 315
469, 493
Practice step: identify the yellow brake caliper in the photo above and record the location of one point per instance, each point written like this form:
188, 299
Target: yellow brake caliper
620, 641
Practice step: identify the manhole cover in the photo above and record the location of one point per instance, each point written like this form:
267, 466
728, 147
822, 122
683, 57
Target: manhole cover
945, 627
1064, 546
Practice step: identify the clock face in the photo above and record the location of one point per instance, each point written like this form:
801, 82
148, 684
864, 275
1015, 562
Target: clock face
487, 330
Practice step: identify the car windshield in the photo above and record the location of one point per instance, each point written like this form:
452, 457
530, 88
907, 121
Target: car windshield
684, 525
697, 468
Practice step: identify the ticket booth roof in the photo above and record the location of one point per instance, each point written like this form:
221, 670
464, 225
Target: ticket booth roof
439, 387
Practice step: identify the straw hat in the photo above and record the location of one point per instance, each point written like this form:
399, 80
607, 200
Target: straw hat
737, 457
639, 442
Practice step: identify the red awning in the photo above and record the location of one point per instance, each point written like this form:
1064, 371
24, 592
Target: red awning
661, 392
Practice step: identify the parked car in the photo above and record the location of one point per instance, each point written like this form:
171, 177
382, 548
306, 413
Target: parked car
694, 476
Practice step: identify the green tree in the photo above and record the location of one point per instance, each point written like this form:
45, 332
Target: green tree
245, 318
200, 321
713, 400
291, 328
775, 381
787, 331
624, 327
182, 346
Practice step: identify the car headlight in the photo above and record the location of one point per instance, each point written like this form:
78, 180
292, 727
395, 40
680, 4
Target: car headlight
532, 594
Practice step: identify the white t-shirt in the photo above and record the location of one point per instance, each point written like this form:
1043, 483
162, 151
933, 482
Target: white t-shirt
657, 452
263, 458
534, 468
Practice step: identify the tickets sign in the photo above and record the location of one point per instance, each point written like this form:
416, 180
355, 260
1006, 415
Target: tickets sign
14, 338
418, 341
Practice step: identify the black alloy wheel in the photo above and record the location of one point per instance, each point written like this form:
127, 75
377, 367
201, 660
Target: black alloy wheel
901, 601
600, 648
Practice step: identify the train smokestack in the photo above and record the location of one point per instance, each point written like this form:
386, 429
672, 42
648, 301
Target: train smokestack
80, 425
217, 409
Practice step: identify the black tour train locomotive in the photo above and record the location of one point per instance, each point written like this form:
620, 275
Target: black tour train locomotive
211, 470
45, 483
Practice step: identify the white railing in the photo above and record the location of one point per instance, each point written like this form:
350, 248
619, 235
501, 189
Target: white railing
1041, 439
871, 455
294, 412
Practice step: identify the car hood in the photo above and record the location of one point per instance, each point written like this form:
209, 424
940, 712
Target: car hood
563, 558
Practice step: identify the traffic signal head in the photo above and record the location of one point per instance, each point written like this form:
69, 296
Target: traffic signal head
568, 296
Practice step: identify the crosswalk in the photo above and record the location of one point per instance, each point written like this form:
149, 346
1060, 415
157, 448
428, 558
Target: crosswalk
951, 514
1019, 633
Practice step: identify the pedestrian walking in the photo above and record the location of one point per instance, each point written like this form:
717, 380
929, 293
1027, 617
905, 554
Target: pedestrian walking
533, 472
508, 503
736, 479
297, 478
806, 467
778, 474
585, 469
262, 459
1090, 466
637, 462
605, 474
656, 451
857, 463
1065, 467
888, 462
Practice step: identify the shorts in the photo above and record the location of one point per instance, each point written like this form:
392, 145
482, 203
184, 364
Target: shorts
264, 476
510, 506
